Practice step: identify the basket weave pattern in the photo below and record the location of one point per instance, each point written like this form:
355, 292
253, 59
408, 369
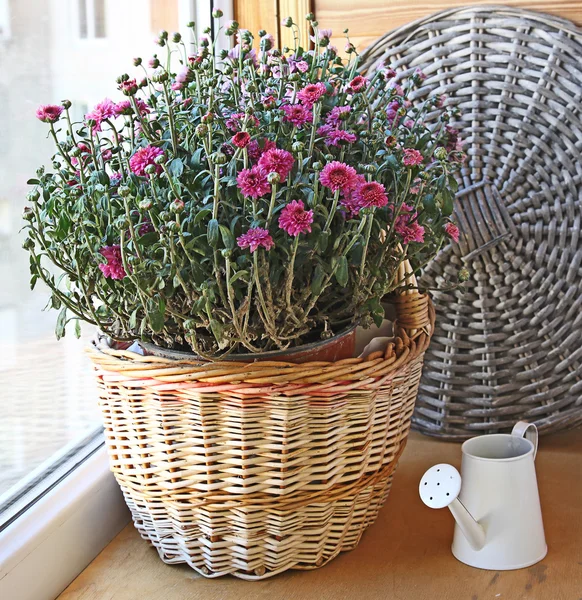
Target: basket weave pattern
251, 469
507, 346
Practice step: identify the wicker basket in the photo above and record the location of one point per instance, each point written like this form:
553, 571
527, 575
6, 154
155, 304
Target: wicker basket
507, 347
251, 469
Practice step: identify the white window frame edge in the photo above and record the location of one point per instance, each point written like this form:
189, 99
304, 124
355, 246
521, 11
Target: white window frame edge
50, 544
46, 548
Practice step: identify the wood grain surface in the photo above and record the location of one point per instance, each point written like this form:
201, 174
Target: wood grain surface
405, 555
369, 19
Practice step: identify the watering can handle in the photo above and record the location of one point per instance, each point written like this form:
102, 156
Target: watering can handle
528, 431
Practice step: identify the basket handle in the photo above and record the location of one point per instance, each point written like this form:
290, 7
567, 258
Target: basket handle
412, 307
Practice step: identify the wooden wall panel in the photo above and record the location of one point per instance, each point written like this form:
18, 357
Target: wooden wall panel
369, 19
255, 15
164, 15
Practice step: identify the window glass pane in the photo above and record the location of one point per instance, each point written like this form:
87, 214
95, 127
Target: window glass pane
48, 399
99, 6
83, 18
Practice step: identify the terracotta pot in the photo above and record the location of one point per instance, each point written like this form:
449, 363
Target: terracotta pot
338, 347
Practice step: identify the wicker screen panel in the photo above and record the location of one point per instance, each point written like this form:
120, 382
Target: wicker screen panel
508, 346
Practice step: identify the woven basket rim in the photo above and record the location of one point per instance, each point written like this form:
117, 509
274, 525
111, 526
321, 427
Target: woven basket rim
409, 344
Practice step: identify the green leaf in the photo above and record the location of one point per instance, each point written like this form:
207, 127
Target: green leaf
176, 167
202, 214
33, 182
148, 238
213, 233
77, 329
156, 320
133, 319
447, 202
317, 281
341, 271
61, 322
322, 241
227, 237
243, 273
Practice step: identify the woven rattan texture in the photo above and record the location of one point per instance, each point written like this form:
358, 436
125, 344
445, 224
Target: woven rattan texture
251, 469
508, 347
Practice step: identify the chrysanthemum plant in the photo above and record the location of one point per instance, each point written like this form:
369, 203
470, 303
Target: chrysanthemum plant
256, 200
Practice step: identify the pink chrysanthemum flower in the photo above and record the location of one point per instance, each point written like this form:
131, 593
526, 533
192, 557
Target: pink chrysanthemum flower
302, 66
371, 193
420, 74
241, 139
397, 88
295, 219
335, 115
412, 157
144, 157
389, 73
125, 107
253, 183
49, 113
338, 176
297, 114
255, 238
452, 231
416, 186
113, 268
311, 93
358, 84
335, 136
392, 110
106, 109
236, 121
278, 161
255, 151
407, 227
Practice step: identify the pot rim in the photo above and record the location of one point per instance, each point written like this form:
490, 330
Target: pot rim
154, 350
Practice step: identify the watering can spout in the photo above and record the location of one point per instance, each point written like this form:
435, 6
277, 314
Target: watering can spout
439, 487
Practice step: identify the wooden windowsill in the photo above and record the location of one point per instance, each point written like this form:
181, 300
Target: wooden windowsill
404, 555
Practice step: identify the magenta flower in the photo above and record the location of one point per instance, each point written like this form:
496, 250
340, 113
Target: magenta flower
125, 107
294, 219
392, 110
371, 193
115, 178
241, 139
335, 115
358, 84
302, 66
255, 238
129, 87
278, 161
420, 74
49, 113
297, 114
106, 109
452, 231
338, 176
255, 151
253, 182
407, 227
335, 136
397, 88
144, 157
113, 268
412, 157
311, 93
236, 120
389, 73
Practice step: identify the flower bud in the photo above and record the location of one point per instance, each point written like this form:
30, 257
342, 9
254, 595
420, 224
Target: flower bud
191, 25
163, 34
137, 61
329, 157
123, 191
201, 130
154, 62
317, 166
161, 159
217, 14
177, 205
172, 226
122, 78
28, 244
91, 123
226, 253
28, 213
150, 170
262, 33
208, 117
145, 204
314, 23
297, 147
310, 16
273, 177
294, 77
287, 22
99, 188
369, 168
440, 153
159, 76
223, 54
218, 158
66, 104
33, 196
176, 37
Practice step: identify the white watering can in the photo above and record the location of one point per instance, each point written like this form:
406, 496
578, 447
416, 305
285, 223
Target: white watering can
497, 508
